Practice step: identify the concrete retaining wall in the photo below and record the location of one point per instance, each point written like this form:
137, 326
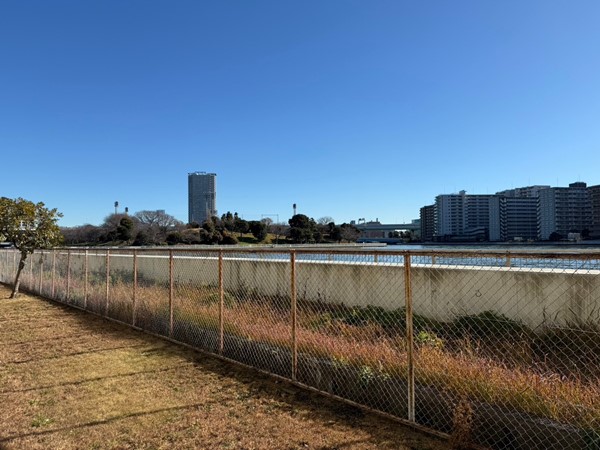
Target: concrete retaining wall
532, 296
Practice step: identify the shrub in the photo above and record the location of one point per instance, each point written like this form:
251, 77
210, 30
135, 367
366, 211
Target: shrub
566, 347
191, 236
489, 325
142, 238
174, 238
229, 239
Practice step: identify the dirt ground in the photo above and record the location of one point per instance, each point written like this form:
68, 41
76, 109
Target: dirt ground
72, 380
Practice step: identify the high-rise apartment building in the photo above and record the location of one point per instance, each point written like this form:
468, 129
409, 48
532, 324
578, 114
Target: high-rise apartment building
595, 212
448, 215
532, 212
462, 216
564, 210
513, 218
527, 191
202, 196
477, 213
513, 214
427, 217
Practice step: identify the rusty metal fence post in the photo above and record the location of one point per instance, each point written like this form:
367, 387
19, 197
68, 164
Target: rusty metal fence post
30, 283
107, 281
170, 293
41, 272
221, 304
135, 282
294, 316
53, 272
68, 275
409, 338
86, 278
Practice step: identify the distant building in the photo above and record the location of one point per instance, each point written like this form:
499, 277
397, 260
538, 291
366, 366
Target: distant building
525, 213
202, 196
564, 210
513, 218
427, 215
513, 214
595, 211
448, 215
527, 191
477, 213
461, 217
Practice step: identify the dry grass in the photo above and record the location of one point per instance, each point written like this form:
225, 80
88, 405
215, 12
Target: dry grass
524, 385
466, 373
69, 380
570, 401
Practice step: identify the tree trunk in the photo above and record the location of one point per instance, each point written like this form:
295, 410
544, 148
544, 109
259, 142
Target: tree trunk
17, 283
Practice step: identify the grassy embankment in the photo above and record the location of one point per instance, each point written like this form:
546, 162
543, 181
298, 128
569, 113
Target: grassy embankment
554, 373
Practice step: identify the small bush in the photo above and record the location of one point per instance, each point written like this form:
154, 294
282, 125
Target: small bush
429, 339
142, 238
573, 348
174, 238
229, 239
489, 325
361, 316
191, 236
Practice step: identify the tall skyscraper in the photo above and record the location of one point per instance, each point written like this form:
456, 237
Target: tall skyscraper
202, 196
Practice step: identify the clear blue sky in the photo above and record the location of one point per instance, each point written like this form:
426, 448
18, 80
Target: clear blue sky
348, 108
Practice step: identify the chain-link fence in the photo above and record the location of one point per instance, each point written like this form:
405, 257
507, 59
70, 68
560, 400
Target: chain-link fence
496, 349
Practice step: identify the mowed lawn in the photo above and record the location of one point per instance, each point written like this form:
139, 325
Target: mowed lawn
72, 380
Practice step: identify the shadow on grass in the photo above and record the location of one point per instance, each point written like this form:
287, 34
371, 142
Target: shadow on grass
101, 422
92, 380
74, 354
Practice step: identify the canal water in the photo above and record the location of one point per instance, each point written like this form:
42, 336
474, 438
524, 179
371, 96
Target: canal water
587, 258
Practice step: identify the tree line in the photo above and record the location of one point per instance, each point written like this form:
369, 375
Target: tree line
159, 228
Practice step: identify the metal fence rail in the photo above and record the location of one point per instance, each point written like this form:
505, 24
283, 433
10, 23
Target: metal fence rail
492, 348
